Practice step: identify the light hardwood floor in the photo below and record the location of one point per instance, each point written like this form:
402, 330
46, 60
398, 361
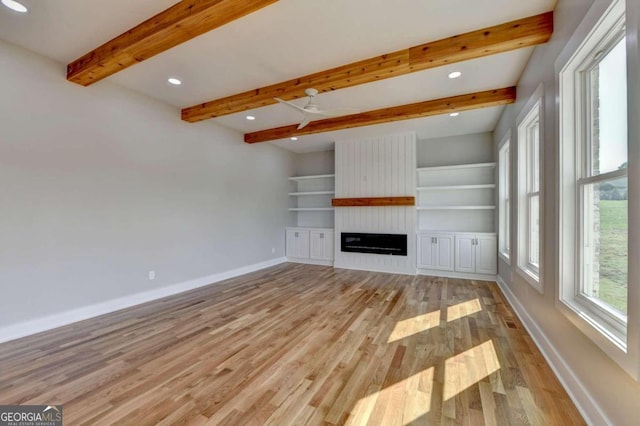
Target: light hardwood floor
296, 344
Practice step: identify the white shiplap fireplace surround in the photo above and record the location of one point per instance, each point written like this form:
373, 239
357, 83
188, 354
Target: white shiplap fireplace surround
377, 167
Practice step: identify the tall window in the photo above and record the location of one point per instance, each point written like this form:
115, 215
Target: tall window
602, 182
529, 193
594, 187
504, 207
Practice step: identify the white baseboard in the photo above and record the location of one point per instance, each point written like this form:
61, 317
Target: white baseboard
586, 404
50, 322
453, 274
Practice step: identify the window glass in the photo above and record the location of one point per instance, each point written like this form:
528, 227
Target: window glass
608, 80
605, 227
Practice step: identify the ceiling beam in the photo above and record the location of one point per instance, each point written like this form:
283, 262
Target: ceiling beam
488, 41
460, 103
169, 28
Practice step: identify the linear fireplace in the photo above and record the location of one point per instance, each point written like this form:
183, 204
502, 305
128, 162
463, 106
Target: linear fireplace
394, 244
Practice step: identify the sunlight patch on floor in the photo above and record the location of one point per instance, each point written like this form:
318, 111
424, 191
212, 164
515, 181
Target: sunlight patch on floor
417, 390
415, 325
460, 310
468, 368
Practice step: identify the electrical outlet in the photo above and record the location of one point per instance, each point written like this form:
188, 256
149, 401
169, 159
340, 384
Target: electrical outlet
273, 250
152, 275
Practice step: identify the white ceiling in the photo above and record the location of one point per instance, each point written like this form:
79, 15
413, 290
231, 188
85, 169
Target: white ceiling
289, 39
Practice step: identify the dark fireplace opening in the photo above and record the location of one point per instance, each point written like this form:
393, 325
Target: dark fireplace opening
394, 244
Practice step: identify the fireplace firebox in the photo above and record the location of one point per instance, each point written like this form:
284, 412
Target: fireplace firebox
393, 244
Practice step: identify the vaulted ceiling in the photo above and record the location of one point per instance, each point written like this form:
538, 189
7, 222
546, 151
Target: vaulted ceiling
222, 48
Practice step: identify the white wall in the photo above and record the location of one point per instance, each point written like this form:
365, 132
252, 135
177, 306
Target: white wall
464, 149
99, 185
605, 392
314, 163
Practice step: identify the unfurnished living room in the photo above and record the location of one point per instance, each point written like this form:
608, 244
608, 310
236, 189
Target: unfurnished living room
319, 212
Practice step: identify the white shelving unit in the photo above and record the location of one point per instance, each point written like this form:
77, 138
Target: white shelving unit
311, 239
456, 198
456, 209
311, 200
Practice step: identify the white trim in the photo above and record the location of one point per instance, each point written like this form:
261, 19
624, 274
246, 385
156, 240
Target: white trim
38, 325
456, 167
453, 274
534, 105
503, 195
530, 277
506, 259
312, 177
587, 405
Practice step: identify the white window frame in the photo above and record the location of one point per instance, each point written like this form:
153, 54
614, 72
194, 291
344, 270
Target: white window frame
504, 198
533, 112
605, 327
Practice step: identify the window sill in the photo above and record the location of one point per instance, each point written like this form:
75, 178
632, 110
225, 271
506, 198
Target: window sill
590, 325
531, 277
505, 258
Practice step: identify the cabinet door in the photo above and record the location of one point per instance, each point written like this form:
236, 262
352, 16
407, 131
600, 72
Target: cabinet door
329, 244
427, 254
321, 245
297, 243
290, 243
486, 254
465, 253
444, 249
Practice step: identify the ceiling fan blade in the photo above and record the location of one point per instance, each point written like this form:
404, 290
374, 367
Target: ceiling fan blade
339, 111
292, 105
306, 120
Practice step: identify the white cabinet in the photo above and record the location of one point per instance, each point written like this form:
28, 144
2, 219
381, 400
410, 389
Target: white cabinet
486, 250
309, 245
460, 254
435, 251
297, 243
476, 253
321, 245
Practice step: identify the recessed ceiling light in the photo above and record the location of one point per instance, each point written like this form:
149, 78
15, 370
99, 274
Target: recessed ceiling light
175, 81
454, 114
294, 138
455, 74
250, 117
14, 5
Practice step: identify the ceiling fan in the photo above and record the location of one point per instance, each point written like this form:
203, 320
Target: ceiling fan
311, 109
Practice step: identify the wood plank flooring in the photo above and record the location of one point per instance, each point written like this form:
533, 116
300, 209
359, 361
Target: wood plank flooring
293, 345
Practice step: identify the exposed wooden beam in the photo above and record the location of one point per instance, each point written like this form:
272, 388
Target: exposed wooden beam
467, 102
497, 39
169, 28
373, 202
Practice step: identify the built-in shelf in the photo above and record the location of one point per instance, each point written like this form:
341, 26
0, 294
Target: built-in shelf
455, 187
311, 205
310, 209
297, 178
456, 167
300, 194
456, 207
